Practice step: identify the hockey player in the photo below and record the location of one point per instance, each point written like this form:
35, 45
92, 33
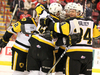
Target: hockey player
79, 55
60, 67
40, 54
24, 27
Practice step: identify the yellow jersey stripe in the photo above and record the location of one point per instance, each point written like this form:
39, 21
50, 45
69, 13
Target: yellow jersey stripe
62, 47
34, 22
54, 61
55, 27
81, 50
67, 65
20, 48
15, 60
54, 17
41, 40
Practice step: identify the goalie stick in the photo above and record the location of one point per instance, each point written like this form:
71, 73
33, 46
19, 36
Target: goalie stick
13, 15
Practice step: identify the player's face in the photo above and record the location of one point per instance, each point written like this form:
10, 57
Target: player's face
72, 13
58, 14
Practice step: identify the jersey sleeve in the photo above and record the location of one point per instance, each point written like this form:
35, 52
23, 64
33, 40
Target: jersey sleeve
63, 28
39, 9
96, 32
17, 27
11, 30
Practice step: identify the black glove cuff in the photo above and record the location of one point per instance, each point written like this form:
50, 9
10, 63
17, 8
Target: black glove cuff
7, 36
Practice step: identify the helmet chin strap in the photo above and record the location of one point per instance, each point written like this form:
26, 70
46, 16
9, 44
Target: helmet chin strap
57, 15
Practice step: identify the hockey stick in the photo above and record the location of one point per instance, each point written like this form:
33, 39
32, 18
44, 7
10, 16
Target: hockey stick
13, 15
85, 8
58, 59
75, 21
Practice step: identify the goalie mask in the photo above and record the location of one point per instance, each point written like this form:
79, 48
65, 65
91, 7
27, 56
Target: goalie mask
55, 8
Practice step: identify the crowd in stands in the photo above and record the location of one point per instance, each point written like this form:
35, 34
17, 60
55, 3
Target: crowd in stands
26, 8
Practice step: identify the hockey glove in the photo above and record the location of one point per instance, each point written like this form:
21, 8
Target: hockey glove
45, 21
3, 43
74, 38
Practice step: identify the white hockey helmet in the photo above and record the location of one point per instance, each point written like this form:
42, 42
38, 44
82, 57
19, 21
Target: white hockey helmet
80, 8
73, 6
54, 8
67, 6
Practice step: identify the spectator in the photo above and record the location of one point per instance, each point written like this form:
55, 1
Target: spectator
20, 13
46, 5
99, 25
20, 4
98, 18
9, 2
82, 2
67, 1
25, 14
32, 11
76, 1
93, 5
20, 7
27, 4
51, 1
98, 6
12, 5
33, 0
88, 10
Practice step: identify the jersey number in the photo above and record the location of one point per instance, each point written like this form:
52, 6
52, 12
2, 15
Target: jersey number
86, 36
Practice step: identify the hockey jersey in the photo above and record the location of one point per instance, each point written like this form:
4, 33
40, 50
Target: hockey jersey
42, 13
87, 28
21, 42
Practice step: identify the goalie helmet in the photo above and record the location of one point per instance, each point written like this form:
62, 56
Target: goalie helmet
55, 8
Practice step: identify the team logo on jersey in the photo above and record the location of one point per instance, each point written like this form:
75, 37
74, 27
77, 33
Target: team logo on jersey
38, 46
83, 57
21, 65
